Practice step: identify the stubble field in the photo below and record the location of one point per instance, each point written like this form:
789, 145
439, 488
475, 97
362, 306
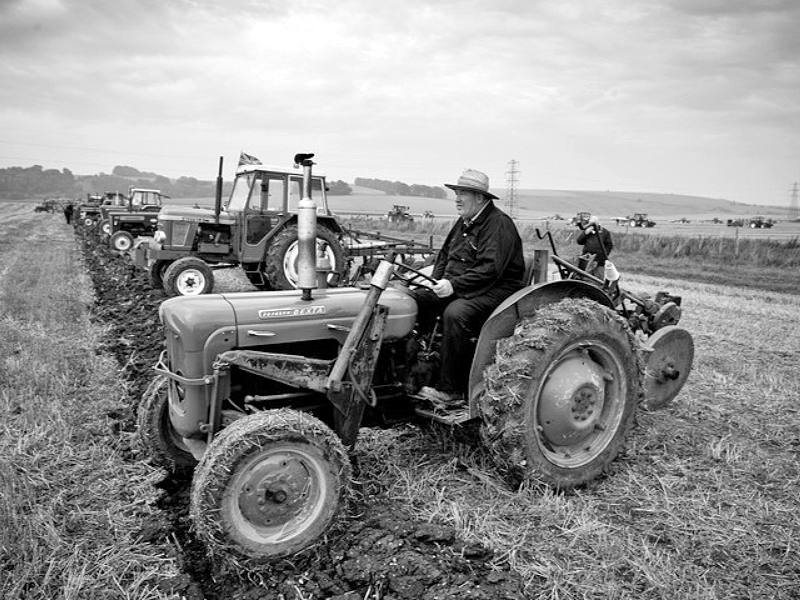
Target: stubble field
702, 503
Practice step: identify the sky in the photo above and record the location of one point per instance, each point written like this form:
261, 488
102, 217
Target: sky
697, 97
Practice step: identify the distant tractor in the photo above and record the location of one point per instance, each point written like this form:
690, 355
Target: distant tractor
48, 205
139, 217
400, 214
641, 220
256, 229
760, 222
87, 213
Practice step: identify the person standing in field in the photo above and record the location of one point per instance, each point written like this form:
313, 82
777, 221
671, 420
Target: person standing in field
480, 265
68, 209
596, 240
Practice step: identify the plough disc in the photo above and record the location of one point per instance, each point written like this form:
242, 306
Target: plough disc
669, 353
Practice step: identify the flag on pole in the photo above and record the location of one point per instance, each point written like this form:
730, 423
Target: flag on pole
246, 159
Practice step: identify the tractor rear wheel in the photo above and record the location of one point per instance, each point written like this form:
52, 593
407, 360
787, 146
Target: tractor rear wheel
268, 486
162, 445
188, 276
561, 396
121, 241
280, 268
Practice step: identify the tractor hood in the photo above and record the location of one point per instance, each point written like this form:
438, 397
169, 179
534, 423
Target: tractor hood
177, 212
194, 319
283, 317
247, 319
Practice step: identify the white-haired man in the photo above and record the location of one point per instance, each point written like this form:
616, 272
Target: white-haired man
480, 265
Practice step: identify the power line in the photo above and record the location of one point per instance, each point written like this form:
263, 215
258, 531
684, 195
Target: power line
794, 210
511, 189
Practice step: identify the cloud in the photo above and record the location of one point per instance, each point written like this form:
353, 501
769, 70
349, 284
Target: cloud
583, 92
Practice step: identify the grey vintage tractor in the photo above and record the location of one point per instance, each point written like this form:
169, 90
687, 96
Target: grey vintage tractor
263, 393
137, 216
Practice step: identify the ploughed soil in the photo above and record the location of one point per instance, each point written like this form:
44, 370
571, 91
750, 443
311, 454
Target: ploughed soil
377, 549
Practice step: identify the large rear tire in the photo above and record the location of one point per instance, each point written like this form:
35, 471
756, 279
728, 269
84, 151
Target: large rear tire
159, 441
561, 396
188, 276
280, 268
269, 485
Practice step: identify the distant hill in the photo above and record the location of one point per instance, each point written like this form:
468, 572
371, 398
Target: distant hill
537, 204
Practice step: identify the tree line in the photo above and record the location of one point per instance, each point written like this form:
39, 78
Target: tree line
36, 182
398, 188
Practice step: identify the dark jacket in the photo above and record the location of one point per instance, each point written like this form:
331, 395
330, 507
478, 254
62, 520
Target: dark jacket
482, 255
596, 241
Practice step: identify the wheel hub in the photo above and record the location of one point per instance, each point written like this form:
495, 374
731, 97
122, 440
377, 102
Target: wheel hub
274, 492
190, 282
571, 400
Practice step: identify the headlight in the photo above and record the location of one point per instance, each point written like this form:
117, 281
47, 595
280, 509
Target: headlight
159, 236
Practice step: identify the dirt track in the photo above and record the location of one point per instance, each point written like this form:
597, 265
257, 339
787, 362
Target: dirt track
377, 551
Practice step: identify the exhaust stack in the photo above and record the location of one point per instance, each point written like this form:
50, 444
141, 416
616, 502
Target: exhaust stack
218, 195
306, 231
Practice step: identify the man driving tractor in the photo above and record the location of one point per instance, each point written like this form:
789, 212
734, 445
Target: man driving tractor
480, 265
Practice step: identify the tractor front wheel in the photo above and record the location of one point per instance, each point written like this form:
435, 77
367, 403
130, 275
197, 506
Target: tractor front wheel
105, 227
561, 396
188, 276
121, 241
280, 268
159, 440
268, 486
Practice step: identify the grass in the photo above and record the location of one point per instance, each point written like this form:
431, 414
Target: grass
71, 508
701, 505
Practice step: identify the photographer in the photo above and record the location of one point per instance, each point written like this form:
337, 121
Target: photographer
596, 240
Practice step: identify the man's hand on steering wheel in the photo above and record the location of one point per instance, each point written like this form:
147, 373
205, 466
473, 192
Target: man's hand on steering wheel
430, 282
443, 288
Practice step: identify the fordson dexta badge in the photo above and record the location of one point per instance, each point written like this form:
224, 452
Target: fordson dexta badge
295, 311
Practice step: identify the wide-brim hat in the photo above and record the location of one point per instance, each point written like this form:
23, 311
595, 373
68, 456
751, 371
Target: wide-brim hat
474, 181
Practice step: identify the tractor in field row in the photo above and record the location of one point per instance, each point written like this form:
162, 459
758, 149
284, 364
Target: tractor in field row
49, 205
399, 214
255, 229
640, 220
261, 394
89, 214
760, 222
138, 217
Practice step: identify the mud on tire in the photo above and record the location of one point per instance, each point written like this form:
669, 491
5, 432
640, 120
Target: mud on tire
268, 486
155, 432
561, 395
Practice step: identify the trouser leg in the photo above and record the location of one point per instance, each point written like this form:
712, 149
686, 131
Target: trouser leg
462, 320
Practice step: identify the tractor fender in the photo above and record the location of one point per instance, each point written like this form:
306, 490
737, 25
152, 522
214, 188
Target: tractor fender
520, 305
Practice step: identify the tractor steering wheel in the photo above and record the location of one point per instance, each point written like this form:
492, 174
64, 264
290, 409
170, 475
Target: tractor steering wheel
410, 280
